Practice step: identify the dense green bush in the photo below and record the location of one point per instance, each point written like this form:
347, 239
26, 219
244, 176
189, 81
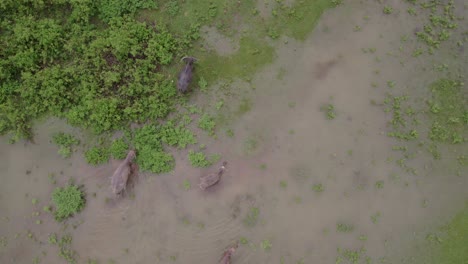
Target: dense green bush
176, 135
119, 148
68, 201
56, 60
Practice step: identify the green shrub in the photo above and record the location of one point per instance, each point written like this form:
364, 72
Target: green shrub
119, 148
97, 155
65, 143
68, 201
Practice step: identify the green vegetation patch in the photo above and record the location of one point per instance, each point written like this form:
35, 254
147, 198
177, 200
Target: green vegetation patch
66, 142
330, 111
65, 248
445, 113
58, 60
251, 218
103, 65
350, 256
151, 155
344, 228
109, 9
252, 54
207, 123
199, 159
177, 136
68, 201
119, 148
441, 21
448, 111
97, 155
453, 247
446, 246
296, 20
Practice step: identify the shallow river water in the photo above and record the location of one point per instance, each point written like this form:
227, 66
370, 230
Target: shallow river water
298, 186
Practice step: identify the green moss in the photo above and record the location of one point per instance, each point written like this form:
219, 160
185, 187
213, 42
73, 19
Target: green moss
299, 19
245, 106
447, 245
252, 55
453, 247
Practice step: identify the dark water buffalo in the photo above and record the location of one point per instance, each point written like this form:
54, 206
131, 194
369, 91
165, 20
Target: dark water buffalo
185, 75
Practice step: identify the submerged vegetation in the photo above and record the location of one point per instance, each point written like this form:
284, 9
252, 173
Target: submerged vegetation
446, 245
445, 111
66, 142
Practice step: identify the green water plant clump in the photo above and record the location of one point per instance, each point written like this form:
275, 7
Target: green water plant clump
151, 155
66, 142
198, 159
442, 21
68, 201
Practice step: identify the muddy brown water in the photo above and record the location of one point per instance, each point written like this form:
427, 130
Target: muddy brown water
294, 143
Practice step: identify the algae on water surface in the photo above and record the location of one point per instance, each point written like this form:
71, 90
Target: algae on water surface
448, 246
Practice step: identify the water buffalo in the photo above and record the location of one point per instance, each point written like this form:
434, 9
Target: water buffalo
211, 179
120, 176
226, 258
185, 75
